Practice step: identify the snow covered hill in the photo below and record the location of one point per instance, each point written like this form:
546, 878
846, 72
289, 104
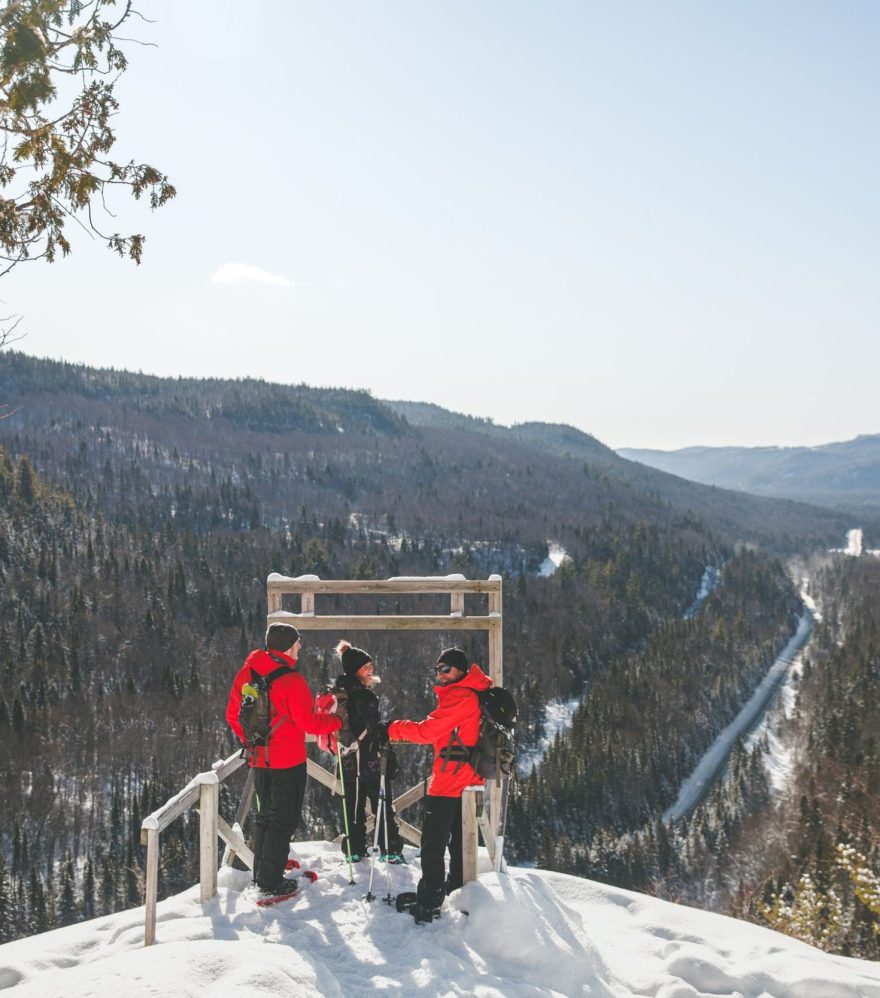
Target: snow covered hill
527, 934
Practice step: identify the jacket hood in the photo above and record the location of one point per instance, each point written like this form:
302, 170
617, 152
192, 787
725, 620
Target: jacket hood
263, 662
474, 679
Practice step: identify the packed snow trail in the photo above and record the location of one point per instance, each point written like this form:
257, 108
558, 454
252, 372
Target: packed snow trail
527, 935
697, 785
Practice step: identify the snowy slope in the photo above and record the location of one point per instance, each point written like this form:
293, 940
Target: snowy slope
529, 933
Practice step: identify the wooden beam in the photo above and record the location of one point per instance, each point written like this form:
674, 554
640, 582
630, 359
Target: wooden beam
330, 780
355, 586
379, 622
469, 835
409, 797
496, 673
209, 798
409, 832
162, 818
235, 842
151, 885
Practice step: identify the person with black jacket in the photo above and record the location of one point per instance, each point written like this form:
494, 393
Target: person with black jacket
360, 757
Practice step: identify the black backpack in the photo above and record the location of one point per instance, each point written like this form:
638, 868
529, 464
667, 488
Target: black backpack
255, 713
494, 755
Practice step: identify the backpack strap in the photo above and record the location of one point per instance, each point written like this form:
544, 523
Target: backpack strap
268, 679
455, 751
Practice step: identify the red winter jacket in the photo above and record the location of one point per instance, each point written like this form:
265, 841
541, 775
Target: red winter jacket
291, 701
457, 707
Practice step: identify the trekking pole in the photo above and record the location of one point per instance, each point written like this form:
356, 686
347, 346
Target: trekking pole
383, 807
345, 814
377, 820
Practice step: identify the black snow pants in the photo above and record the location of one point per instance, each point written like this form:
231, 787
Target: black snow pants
280, 795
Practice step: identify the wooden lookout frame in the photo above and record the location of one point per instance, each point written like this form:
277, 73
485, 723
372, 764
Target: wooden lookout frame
203, 790
307, 587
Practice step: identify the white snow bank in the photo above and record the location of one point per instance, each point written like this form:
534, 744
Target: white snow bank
557, 718
556, 556
854, 544
528, 934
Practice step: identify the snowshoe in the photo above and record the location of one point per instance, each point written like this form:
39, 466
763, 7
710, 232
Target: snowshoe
394, 858
279, 892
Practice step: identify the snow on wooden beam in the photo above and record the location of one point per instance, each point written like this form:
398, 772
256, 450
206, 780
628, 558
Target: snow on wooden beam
380, 622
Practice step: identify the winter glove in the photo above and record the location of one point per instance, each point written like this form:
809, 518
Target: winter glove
326, 703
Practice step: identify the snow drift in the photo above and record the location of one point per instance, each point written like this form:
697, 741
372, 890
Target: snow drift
527, 934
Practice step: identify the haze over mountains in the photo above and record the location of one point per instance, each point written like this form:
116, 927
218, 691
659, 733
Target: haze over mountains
843, 476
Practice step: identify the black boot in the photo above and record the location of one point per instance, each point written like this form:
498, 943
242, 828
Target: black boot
406, 900
423, 914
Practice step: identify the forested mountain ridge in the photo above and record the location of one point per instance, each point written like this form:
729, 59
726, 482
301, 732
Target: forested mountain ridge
347, 452
728, 512
136, 532
843, 475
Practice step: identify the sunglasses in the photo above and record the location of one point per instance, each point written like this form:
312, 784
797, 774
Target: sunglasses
444, 668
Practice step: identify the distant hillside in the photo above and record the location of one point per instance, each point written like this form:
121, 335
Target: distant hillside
774, 524
843, 476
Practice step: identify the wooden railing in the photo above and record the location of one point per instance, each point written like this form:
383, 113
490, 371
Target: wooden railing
204, 791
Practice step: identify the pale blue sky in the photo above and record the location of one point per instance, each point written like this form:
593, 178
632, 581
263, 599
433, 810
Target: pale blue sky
656, 221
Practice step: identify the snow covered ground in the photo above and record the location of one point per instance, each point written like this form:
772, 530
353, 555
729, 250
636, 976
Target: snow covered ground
527, 934
557, 718
556, 555
779, 758
708, 584
854, 544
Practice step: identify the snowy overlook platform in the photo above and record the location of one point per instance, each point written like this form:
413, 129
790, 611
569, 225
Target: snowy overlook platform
531, 933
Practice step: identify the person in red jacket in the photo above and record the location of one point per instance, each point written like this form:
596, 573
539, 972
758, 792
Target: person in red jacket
280, 768
455, 721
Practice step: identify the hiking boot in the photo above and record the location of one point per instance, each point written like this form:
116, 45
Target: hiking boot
406, 900
423, 913
394, 858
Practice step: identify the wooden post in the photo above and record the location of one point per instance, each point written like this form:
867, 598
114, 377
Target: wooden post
496, 673
151, 891
274, 599
209, 800
456, 607
469, 833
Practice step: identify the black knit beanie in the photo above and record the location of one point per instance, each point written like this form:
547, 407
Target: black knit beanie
455, 657
354, 659
281, 637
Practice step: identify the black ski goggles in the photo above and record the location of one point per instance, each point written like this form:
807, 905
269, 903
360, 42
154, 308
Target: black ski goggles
444, 667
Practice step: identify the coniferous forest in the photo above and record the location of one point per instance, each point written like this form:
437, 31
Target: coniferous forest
139, 518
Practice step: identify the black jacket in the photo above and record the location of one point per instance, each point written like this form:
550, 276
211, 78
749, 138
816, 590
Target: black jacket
363, 714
